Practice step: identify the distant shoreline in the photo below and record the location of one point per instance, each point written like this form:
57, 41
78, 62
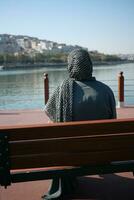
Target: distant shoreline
39, 65
96, 63
29, 65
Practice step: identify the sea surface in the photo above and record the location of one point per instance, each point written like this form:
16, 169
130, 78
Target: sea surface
24, 88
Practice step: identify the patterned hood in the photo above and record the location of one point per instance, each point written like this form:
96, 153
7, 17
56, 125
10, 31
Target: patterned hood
80, 65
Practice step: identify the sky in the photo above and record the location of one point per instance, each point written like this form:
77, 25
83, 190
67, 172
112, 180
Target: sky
103, 25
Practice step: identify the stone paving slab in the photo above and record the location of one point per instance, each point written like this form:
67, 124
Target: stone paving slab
125, 112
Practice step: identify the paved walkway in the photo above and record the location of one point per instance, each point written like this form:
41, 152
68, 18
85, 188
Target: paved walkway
21, 117
39, 116
106, 187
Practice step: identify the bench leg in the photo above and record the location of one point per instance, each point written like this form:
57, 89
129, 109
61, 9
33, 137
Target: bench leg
61, 187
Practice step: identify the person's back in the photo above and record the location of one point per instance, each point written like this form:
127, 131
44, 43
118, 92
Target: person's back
81, 97
93, 100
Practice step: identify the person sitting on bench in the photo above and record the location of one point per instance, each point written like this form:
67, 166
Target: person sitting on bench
79, 97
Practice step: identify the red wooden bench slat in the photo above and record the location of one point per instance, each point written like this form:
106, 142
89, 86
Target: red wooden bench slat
71, 128
74, 144
73, 159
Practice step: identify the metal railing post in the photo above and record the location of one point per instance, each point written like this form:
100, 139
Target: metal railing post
46, 88
120, 90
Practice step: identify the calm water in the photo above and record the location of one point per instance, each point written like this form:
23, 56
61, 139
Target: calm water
24, 89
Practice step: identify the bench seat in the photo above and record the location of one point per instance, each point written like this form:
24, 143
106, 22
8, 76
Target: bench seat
73, 148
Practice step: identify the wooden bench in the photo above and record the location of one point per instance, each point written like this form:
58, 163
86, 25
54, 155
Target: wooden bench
29, 153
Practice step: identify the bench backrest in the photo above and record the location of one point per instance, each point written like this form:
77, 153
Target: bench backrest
74, 144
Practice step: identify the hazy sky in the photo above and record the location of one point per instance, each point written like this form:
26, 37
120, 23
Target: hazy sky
103, 25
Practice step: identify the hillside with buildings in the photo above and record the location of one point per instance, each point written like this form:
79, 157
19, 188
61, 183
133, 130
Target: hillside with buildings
24, 44
20, 50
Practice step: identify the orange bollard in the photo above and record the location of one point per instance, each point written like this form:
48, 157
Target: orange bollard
120, 90
46, 88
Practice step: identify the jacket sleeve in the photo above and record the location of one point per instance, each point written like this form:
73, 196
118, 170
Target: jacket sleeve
113, 106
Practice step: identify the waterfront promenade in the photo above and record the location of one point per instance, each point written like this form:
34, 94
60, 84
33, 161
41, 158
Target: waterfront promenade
99, 187
13, 117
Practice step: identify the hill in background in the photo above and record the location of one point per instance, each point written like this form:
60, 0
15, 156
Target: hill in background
20, 49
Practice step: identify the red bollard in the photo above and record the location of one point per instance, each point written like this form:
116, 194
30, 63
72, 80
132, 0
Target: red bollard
120, 90
46, 88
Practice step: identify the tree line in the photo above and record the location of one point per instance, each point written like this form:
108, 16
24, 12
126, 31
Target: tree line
25, 58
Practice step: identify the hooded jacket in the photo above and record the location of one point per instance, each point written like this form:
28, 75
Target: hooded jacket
81, 97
